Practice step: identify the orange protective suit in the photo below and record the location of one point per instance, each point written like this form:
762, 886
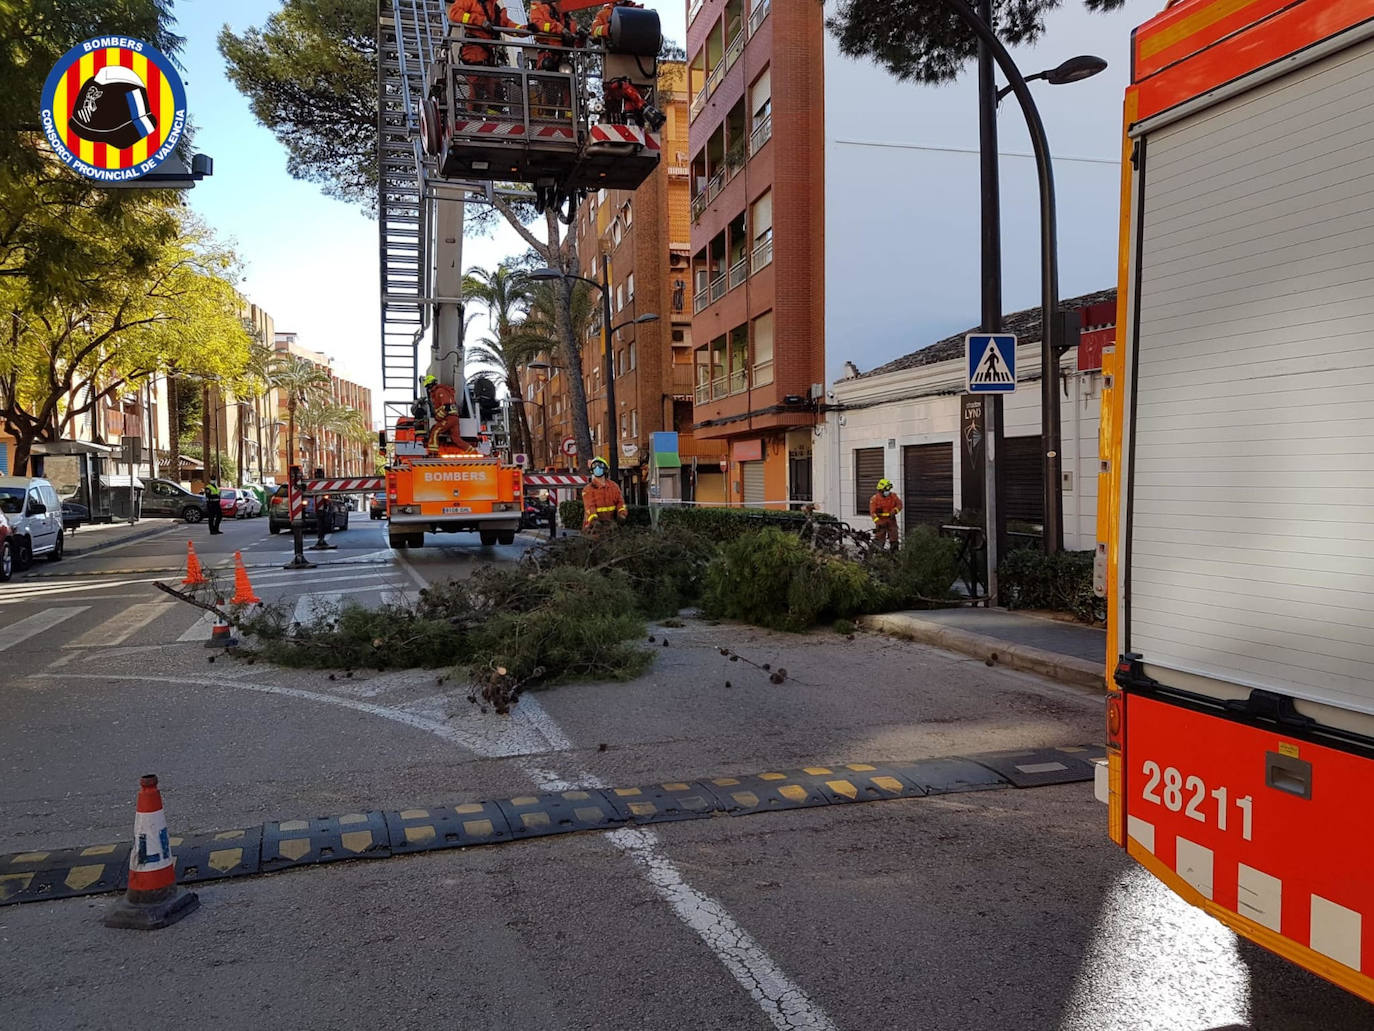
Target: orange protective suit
602, 505
477, 17
601, 25
884, 512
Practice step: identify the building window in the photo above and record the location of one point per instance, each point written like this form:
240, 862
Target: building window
739, 358
632, 355
761, 222
634, 422
868, 470
629, 213
761, 111
630, 286
763, 349
620, 297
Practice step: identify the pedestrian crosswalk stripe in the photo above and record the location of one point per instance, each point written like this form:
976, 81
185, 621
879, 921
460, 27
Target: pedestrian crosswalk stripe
393, 597
200, 630
36, 624
122, 627
310, 605
265, 583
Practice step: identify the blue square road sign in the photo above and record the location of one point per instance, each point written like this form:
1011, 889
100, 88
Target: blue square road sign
990, 362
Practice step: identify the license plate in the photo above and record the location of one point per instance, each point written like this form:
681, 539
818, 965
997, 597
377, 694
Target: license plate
455, 509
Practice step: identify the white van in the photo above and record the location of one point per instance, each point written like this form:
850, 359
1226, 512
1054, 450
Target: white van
34, 513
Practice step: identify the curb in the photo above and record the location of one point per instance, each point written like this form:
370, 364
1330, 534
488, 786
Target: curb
1067, 669
138, 536
44, 875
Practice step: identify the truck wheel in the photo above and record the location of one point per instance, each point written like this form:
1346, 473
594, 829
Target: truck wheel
399, 540
507, 537
488, 537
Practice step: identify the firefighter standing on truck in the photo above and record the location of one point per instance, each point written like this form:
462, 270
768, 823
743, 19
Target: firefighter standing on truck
603, 505
479, 19
883, 507
551, 28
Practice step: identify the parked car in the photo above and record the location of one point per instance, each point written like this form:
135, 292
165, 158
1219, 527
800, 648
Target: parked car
248, 504
74, 514
165, 499
279, 519
6, 552
536, 514
376, 505
228, 502
33, 511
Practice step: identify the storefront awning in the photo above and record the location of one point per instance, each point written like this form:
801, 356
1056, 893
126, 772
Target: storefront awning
114, 480
71, 447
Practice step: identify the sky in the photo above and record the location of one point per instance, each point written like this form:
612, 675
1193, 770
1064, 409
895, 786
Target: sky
311, 262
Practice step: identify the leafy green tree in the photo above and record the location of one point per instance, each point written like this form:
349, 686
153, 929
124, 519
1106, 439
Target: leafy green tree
306, 387
923, 41
63, 353
504, 292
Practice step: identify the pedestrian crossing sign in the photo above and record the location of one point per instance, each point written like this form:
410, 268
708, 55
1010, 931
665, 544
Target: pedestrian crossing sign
990, 362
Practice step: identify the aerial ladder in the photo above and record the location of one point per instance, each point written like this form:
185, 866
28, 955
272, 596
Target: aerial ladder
544, 124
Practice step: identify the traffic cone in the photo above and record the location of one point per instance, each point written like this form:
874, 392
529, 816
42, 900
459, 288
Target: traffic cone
153, 899
220, 637
243, 590
195, 576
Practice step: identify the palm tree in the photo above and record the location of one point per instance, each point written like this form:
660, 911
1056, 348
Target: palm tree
505, 292
257, 383
348, 426
303, 383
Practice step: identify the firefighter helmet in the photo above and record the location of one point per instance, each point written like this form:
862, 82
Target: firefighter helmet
884, 484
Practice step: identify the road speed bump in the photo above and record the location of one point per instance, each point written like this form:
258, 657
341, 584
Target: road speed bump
559, 812
948, 776
458, 826
765, 792
324, 840
217, 855
664, 803
63, 873
1040, 767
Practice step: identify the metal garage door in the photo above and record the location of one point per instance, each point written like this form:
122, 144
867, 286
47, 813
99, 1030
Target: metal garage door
752, 475
927, 484
1023, 471
1251, 535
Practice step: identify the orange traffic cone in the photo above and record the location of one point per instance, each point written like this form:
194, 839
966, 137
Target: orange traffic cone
152, 900
243, 590
195, 576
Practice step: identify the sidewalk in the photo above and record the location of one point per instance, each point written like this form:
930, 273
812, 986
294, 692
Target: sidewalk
90, 537
1068, 652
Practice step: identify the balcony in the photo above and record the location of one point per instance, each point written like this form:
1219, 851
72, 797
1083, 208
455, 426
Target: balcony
763, 132
756, 16
763, 373
699, 203
718, 287
739, 272
739, 381
733, 51
698, 102
694, 10
714, 79
713, 187
763, 255
701, 300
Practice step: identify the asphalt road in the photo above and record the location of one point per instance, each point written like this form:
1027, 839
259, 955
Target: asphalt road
997, 909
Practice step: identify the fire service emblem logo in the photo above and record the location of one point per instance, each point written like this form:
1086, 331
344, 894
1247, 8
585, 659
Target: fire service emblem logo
113, 108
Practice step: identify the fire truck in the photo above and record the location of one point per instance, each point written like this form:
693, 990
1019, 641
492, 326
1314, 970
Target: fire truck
473, 115
1236, 538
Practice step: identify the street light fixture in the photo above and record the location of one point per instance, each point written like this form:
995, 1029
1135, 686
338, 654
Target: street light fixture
548, 274
1075, 69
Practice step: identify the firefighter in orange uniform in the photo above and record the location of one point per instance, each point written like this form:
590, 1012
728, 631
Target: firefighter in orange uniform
551, 28
603, 506
883, 507
601, 26
479, 18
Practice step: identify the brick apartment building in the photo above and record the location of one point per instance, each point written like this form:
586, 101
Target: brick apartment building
341, 458
757, 154
644, 235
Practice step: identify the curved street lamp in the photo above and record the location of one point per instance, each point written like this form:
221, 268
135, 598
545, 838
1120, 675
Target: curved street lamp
604, 285
1075, 69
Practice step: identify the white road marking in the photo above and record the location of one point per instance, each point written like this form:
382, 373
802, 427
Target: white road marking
785, 1004
313, 581
40, 591
309, 606
414, 574
20, 632
120, 628
200, 630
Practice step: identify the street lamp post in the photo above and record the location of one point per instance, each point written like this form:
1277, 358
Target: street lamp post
607, 330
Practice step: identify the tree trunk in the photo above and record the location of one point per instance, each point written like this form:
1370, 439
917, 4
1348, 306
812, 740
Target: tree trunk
238, 427
257, 432
522, 419
572, 348
173, 468
205, 459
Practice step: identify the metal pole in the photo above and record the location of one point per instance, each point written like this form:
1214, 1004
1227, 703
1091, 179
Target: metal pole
1049, 267
610, 370
991, 225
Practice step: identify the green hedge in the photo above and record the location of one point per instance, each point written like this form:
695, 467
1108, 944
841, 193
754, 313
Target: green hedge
718, 524
1030, 579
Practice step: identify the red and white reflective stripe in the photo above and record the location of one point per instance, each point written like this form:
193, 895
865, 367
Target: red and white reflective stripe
295, 503
652, 141
347, 485
556, 133
151, 865
554, 480
605, 133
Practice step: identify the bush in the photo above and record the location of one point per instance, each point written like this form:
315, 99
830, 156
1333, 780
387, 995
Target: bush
772, 579
723, 524
923, 570
1061, 583
571, 514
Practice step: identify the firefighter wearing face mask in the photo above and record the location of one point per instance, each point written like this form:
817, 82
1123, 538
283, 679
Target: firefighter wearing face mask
603, 506
883, 507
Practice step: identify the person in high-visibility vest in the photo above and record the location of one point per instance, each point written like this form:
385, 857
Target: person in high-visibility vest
480, 19
883, 507
603, 505
601, 25
213, 514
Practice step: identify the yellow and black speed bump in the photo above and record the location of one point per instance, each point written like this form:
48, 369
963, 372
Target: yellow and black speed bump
1039, 767
948, 776
36, 876
664, 803
765, 792
220, 854
559, 812
324, 840
63, 873
458, 826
